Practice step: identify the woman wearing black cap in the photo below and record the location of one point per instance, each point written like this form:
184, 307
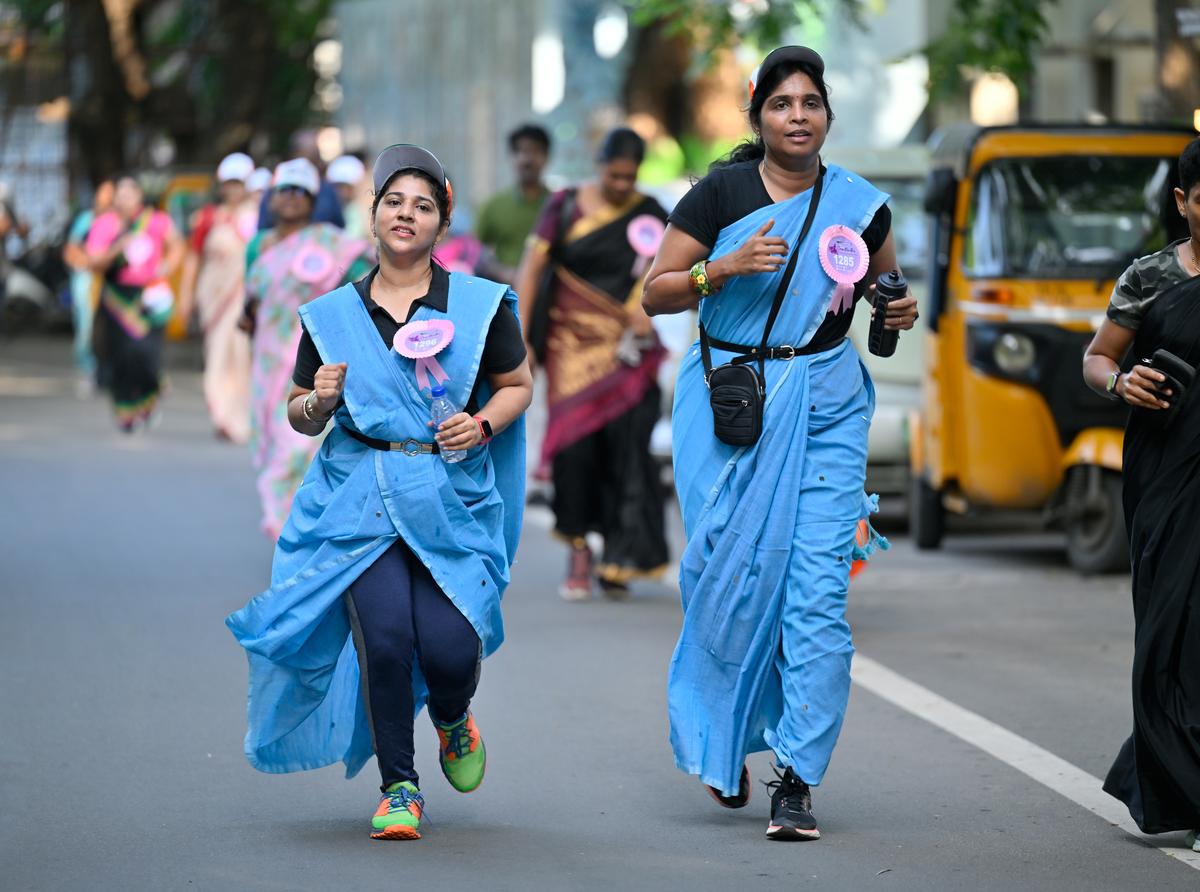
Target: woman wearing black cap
388, 574
763, 660
580, 284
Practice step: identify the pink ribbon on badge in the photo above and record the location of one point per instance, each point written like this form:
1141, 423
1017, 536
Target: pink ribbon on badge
421, 341
845, 258
645, 233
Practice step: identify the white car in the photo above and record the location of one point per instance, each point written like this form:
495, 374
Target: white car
901, 173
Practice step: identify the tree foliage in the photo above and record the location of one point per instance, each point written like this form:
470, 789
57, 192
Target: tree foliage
1001, 36
714, 25
211, 75
981, 35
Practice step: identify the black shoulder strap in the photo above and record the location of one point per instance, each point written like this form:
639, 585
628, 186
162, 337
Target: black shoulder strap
780, 292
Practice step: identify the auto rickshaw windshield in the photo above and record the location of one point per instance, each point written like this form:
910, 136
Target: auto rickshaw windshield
1064, 217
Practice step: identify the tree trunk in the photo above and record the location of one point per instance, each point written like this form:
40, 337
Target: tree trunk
100, 105
247, 55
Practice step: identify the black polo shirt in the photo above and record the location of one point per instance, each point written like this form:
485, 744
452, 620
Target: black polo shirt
503, 350
735, 191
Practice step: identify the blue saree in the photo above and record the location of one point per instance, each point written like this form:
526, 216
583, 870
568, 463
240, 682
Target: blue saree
305, 708
763, 659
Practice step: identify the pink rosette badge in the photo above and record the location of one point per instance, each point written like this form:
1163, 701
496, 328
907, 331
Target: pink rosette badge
312, 264
139, 250
422, 341
645, 233
845, 258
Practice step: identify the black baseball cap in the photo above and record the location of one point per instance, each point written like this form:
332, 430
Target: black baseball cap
800, 54
402, 157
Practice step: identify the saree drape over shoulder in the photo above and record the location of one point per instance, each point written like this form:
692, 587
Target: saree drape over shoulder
1157, 773
763, 659
461, 520
597, 274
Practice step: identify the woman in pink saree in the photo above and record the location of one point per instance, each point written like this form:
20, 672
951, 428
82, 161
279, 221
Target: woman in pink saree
286, 267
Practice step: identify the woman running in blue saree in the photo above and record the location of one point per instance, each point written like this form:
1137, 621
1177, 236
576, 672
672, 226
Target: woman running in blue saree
386, 584
763, 659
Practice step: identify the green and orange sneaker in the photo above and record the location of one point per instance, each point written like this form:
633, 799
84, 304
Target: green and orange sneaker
462, 754
399, 813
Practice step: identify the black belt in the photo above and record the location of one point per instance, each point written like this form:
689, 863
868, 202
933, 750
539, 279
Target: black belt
409, 447
786, 351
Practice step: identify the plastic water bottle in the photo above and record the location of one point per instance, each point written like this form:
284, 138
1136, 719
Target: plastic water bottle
442, 409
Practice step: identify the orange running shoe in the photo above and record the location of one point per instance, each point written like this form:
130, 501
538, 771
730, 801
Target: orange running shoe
462, 755
399, 813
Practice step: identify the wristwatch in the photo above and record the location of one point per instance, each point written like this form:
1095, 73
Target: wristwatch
485, 427
1111, 386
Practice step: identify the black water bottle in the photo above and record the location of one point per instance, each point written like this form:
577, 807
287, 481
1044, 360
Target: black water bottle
888, 287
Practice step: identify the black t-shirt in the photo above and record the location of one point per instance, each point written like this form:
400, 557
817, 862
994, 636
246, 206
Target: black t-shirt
503, 350
730, 193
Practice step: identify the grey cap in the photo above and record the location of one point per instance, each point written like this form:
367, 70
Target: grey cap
401, 157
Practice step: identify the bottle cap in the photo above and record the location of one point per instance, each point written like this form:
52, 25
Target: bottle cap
892, 282
437, 390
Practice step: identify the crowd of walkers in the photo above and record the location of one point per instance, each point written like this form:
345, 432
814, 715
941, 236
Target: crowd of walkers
343, 306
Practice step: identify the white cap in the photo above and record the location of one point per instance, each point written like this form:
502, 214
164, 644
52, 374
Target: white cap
260, 180
237, 166
345, 169
298, 172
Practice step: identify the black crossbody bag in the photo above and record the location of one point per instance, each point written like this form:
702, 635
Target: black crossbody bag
737, 390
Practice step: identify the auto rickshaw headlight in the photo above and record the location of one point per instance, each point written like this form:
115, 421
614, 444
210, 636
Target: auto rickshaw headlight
1014, 353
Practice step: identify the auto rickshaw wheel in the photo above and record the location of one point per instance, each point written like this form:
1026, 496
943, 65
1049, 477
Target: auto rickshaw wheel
1096, 538
926, 514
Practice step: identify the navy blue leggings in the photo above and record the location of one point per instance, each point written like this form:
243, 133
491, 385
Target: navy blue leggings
397, 612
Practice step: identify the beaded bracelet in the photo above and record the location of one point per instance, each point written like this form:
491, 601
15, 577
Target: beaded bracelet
701, 283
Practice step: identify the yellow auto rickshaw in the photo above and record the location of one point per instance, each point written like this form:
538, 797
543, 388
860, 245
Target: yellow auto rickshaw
1030, 225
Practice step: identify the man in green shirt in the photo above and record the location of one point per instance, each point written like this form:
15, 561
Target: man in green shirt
509, 216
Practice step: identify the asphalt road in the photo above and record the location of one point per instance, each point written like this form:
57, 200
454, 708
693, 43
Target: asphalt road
122, 706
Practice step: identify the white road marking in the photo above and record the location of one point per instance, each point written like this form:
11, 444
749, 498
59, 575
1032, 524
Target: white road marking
1030, 759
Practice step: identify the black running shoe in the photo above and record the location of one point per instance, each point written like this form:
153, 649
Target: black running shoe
791, 809
739, 799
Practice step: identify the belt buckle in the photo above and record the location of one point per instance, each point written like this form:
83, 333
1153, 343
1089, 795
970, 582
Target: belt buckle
791, 352
409, 447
